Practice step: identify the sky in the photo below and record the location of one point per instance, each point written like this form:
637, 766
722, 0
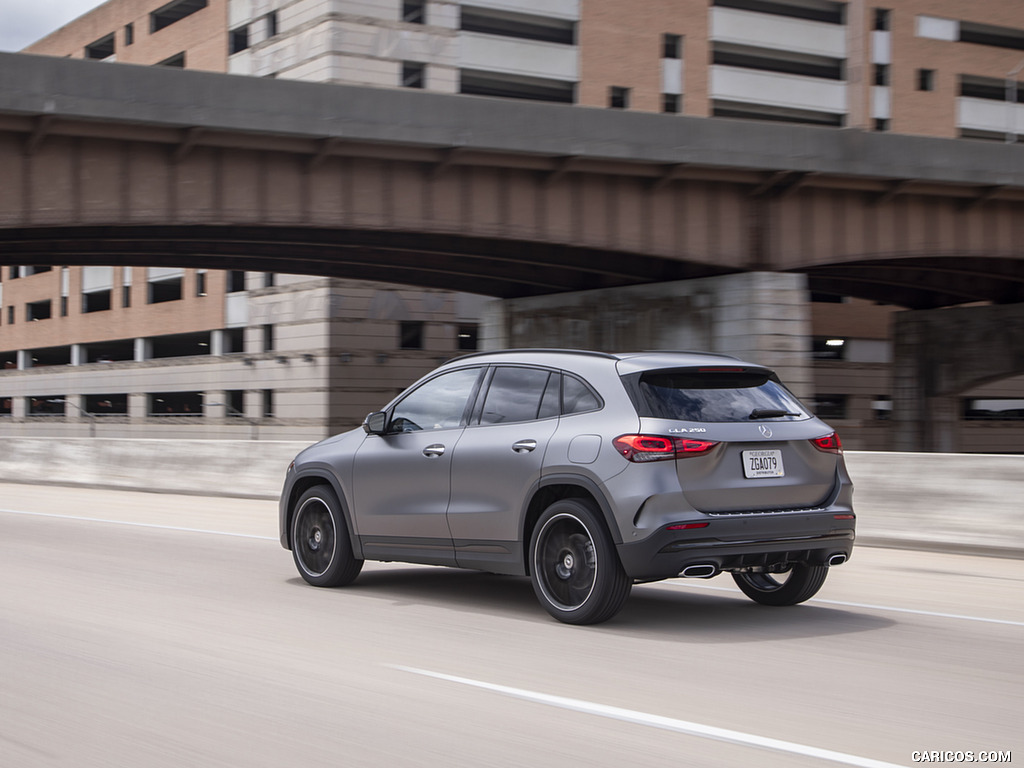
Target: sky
22, 22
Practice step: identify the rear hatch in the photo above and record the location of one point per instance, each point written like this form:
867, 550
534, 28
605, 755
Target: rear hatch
743, 441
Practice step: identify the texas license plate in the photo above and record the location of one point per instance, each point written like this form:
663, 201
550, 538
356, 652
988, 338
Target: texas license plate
765, 463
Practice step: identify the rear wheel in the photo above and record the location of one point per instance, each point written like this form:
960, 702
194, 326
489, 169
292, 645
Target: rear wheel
801, 582
574, 568
321, 545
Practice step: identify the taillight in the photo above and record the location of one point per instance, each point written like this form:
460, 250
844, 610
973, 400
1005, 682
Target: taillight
641, 448
829, 443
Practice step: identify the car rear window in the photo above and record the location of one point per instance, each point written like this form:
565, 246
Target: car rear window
713, 396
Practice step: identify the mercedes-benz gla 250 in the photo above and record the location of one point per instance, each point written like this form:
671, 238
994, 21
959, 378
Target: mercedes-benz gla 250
587, 472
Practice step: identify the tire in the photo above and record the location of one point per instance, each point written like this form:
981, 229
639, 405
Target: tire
800, 583
575, 571
321, 545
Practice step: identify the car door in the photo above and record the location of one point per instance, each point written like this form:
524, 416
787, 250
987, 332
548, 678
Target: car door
497, 460
402, 479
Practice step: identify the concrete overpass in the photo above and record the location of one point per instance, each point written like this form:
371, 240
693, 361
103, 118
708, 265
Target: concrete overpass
149, 166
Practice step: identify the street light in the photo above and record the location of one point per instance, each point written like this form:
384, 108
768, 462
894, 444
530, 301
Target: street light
1011, 103
92, 417
254, 423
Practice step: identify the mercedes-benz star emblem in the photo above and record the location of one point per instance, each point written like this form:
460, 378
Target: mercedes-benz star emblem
765, 431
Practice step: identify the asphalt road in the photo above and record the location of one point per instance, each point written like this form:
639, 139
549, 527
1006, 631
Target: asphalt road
146, 630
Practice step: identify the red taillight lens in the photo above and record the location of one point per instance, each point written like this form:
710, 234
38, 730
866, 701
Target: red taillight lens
685, 526
641, 448
829, 443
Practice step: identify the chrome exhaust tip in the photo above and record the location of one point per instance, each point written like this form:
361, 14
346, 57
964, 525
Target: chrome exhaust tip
837, 559
702, 571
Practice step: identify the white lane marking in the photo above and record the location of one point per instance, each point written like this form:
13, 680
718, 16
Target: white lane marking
137, 525
658, 721
869, 606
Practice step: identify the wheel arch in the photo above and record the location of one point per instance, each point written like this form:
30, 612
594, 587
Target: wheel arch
310, 478
554, 488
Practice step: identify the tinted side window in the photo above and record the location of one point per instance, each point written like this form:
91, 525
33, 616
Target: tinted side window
437, 404
577, 397
515, 394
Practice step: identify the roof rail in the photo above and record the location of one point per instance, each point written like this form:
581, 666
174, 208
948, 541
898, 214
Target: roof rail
531, 350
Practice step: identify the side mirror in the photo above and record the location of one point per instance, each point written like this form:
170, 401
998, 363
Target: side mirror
375, 423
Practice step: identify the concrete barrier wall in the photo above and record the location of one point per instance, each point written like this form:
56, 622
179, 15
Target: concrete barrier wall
966, 503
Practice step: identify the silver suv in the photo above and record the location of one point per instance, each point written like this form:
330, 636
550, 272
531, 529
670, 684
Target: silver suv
587, 471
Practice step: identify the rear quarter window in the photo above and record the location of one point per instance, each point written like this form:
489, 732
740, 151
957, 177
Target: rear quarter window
685, 395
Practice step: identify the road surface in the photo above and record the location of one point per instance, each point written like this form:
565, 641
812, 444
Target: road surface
145, 630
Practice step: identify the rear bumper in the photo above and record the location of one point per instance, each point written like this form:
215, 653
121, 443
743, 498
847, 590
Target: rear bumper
742, 541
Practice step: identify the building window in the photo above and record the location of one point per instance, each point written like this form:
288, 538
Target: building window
994, 409
63, 306
176, 404
29, 271
6, 406
48, 405
926, 79
173, 12
201, 282
672, 46
238, 40
881, 124
129, 34
268, 403
883, 19
881, 407
164, 284
101, 49
671, 103
177, 60
410, 334
268, 338
236, 281
413, 12
467, 338
107, 405
15, 272
10, 315
96, 301
618, 97
881, 74
271, 24
268, 280
828, 348
235, 403
39, 310
525, 26
829, 406
413, 74
126, 295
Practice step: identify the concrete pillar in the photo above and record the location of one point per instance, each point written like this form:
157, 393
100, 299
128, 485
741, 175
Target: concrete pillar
77, 354
761, 317
24, 359
138, 407
19, 407
143, 350
215, 404
217, 343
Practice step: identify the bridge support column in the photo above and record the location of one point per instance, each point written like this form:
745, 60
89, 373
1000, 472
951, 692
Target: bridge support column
939, 354
763, 317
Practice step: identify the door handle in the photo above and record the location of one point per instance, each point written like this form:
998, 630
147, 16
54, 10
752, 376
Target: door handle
433, 451
524, 446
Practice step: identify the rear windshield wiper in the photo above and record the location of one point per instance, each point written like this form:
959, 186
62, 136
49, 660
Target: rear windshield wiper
769, 413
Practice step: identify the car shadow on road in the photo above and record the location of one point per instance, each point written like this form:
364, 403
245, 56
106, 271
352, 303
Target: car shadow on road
670, 609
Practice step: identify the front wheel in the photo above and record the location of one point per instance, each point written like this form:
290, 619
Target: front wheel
574, 568
320, 541
801, 582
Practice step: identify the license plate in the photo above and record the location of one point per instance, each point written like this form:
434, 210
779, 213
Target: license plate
763, 464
